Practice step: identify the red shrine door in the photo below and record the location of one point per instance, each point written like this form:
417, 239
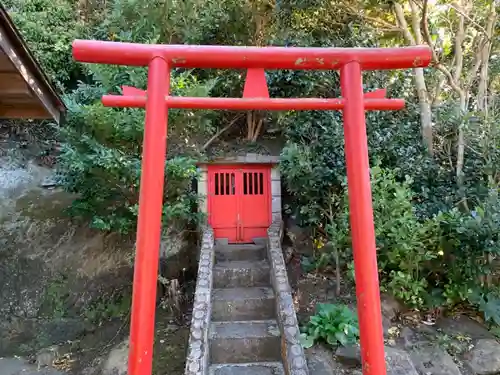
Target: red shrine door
239, 202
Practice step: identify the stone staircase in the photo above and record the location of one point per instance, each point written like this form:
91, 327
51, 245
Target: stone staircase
244, 334
243, 319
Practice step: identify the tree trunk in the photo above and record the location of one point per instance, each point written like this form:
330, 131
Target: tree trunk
423, 95
482, 91
425, 109
461, 139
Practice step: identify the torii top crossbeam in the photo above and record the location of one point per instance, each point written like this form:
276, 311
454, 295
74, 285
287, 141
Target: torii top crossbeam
229, 57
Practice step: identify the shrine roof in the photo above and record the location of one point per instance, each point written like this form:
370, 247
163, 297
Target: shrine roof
25, 90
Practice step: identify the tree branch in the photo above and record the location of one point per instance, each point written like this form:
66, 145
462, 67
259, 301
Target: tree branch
449, 78
425, 31
459, 11
459, 52
427, 37
437, 92
423, 93
257, 130
355, 12
218, 134
482, 92
250, 124
415, 22
400, 17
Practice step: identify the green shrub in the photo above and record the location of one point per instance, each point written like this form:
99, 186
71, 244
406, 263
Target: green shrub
443, 260
405, 245
470, 241
107, 183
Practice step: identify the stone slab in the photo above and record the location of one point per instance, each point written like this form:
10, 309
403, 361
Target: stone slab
236, 304
240, 252
241, 342
465, 326
484, 358
247, 329
241, 294
237, 274
349, 355
17, 366
320, 361
271, 368
275, 188
276, 204
275, 173
433, 360
399, 362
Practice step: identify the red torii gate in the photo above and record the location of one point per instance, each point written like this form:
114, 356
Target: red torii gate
160, 59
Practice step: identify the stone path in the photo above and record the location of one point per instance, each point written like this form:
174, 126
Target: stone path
421, 351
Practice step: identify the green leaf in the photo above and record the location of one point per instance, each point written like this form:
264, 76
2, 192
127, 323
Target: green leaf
341, 338
306, 341
332, 339
491, 309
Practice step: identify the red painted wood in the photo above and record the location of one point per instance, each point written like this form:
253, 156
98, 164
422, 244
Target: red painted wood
274, 104
255, 206
255, 96
361, 218
149, 221
256, 84
132, 91
222, 202
243, 57
239, 202
251, 91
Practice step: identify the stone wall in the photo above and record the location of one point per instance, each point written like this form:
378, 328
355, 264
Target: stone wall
275, 194
294, 359
197, 353
203, 190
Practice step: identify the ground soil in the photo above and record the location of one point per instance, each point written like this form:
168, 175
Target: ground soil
55, 271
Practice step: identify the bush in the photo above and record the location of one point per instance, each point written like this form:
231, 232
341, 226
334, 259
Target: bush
405, 245
100, 157
333, 324
443, 260
470, 242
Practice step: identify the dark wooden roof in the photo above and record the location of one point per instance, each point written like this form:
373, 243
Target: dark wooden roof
25, 91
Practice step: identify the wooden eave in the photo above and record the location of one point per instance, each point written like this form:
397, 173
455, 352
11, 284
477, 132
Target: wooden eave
25, 91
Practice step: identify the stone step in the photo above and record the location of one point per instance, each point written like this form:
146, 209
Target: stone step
262, 368
231, 304
241, 342
237, 274
240, 252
